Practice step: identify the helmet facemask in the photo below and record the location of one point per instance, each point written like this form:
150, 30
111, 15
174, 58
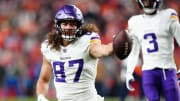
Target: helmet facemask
68, 34
149, 6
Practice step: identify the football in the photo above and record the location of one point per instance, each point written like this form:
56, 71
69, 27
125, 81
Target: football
122, 45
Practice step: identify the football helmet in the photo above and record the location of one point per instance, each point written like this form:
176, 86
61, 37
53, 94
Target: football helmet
149, 6
69, 13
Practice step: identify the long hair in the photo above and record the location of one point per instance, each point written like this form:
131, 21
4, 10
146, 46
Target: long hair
55, 40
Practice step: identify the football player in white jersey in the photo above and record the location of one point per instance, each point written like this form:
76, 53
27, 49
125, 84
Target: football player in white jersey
153, 33
71, 54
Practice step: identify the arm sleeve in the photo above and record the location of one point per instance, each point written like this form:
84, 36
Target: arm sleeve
175, 25
133, 56
45, 49
175, 29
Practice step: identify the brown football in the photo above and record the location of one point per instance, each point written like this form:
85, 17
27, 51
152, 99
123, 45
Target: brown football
122, 45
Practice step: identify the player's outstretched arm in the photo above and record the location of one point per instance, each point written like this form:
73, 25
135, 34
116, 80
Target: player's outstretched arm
99, 50
43, 81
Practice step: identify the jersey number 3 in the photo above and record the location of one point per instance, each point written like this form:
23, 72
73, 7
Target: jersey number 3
153, 41
59, 71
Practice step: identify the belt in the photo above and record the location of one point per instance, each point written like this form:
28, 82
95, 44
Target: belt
158, 68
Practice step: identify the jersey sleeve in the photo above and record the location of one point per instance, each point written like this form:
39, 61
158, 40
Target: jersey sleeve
95, 38
134, 54
173, 16
45, 49
174, 25
131, 24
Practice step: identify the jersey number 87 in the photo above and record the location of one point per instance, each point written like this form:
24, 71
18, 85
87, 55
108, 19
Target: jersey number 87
60, 73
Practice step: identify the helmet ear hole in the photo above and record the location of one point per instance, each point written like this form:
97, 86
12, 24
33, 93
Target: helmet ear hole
58, 22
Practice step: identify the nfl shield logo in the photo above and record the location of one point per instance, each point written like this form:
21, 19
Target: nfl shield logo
64, 50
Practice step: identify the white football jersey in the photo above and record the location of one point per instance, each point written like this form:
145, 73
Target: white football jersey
74, 69
154, 34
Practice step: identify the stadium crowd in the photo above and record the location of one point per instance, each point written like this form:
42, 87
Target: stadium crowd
24, 24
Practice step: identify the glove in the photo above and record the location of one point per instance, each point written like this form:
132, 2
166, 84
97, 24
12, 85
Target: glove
129, 79
99, 98
42, 98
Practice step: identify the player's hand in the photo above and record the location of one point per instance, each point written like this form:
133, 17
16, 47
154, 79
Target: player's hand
129, 79
42, 98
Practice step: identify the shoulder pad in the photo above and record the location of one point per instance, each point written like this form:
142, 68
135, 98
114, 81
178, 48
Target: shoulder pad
172, 14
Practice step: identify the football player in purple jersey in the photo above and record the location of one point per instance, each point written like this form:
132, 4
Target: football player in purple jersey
153, 33
70, 55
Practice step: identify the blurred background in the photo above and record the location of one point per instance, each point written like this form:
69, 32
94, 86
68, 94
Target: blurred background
24, 24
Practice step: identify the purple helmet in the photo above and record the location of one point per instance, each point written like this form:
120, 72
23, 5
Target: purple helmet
69, 12
151, 8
